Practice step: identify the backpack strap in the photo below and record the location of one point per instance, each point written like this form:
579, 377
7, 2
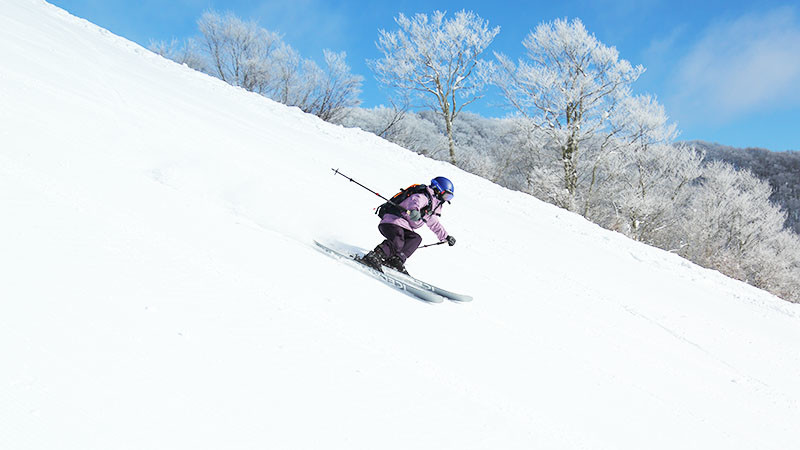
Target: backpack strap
393, 205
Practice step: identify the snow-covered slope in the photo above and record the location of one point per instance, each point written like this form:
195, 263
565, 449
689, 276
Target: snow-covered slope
159, 288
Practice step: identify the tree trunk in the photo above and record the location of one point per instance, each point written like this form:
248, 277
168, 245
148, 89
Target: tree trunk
450, 141
568, 154
448, 125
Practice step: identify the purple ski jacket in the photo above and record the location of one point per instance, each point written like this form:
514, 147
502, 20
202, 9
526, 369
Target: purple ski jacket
419, 201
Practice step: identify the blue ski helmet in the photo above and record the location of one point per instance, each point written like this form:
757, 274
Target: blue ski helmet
442, 187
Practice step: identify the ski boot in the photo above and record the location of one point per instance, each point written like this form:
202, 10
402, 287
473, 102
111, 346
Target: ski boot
375, 258
396, 263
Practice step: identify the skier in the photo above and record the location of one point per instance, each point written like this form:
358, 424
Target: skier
399, 222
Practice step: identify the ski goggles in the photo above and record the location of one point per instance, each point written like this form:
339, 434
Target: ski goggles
447, 196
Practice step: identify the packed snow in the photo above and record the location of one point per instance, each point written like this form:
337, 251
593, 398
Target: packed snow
159, 286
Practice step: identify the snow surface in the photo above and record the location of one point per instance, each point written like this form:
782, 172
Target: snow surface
159, 288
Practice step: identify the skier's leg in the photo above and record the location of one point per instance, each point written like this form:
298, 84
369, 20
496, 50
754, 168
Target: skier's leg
412, 241
386, 249
395, 239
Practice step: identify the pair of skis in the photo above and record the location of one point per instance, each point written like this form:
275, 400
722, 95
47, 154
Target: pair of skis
398, 280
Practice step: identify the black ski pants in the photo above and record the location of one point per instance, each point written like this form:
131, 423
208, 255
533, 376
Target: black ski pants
399, 241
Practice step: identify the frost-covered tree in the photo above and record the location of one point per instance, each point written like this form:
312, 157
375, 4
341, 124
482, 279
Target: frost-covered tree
636, 173
568, 87
642, 122
337, 89
647, 199
294, 78
239, 52
383, 121
437, 58
781, 169
411, 130
327, 93
730, 225
775, 266
181, 53
246, 55
489, 148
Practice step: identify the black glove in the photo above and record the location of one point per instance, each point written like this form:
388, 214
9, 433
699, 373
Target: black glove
414, 215
451, 241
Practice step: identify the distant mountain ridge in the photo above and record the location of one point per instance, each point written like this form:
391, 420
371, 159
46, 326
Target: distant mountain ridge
780, 169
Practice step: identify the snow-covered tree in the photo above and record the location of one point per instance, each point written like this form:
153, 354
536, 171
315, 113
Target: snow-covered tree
437, 58
635, 173
410, 130
246, 55
182, 53
294, 78
650, 194
732, 226
489, 148
779, 168
239, 52
568, 87
327, 93
337, 89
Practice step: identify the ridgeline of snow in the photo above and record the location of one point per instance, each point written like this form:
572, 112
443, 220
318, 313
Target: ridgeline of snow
159, 288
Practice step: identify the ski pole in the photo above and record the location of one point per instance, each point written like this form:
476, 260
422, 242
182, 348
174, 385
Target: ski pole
431, 245
336, 172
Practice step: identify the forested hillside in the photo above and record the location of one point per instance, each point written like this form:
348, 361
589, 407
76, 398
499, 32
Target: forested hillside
780, 169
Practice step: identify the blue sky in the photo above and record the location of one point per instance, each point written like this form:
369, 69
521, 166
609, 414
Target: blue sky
726, 71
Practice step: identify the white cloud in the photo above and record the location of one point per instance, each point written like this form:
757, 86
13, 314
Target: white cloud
661, 47
740, 66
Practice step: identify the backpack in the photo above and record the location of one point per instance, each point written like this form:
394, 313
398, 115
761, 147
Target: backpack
392, 206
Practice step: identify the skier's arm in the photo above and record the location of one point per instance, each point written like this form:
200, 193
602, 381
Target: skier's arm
413, 203
436, 226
